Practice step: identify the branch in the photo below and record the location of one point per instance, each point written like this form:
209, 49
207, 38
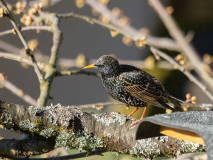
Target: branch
181, 68
76, 72
27, 147
15, 90
186, 47
43, 66
71, 127
48, 28
28, 51
10, 56
45, 86
70, 63
164, 43
9, 47
93, 20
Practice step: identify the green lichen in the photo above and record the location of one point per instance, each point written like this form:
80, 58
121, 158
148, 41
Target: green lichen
162, 138
115, 117
78, 140
59, 112
6, 120
47, 133
33, 110
190, 147
147, 148
106, 134
26, 125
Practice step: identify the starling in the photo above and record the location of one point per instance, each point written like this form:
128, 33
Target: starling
133, 86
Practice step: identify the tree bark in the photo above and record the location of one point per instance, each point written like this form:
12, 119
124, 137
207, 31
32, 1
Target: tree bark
71, 127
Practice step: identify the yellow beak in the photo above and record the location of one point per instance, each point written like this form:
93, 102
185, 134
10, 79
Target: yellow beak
90, 66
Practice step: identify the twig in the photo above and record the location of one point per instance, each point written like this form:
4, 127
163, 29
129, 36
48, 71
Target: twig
76, 72
93, 20
48, 28
189, 36
51, 67
10, 56
69, 63
9, 47
17, 91
187, 48
164, 43
181, 68
28, 51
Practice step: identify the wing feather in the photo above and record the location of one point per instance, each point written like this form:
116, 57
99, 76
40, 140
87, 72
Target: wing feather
143, 86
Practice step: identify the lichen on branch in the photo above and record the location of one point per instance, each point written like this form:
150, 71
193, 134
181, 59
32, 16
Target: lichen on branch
71, 127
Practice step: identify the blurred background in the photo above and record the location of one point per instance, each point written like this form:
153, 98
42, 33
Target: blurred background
93, 41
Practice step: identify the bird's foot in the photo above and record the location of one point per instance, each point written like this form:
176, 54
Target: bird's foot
133, 112
136, 122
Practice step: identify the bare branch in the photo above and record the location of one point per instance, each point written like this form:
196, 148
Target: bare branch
76, 72
9, 47
28, 50
45, 86
70, 63
186, 47
48, 28
93, 20
164, 43
10, 56
17, 91
181, 68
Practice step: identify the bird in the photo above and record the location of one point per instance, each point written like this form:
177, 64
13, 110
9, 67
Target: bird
133, 86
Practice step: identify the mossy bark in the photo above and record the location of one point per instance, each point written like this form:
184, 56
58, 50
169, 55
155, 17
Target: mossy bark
71, 127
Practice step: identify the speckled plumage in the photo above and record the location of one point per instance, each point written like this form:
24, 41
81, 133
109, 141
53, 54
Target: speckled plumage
132, 85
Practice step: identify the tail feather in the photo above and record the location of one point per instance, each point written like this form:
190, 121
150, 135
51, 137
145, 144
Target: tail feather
179, 103
166, 106
167, 101
176, 102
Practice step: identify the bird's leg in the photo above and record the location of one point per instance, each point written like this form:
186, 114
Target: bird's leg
136, 122
133, 112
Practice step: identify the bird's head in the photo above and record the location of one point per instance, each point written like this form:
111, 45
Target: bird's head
106, 65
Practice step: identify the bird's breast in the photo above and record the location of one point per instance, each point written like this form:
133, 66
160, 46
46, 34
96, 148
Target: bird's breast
110, 84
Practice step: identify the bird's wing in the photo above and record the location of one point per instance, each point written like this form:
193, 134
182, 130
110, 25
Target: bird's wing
143, 86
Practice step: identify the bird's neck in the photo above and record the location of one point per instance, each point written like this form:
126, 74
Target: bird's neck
111, 73
109, 83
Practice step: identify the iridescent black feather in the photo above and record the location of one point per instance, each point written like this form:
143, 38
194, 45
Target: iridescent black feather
132, 85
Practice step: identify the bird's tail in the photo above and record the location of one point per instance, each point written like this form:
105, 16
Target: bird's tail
179, 103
